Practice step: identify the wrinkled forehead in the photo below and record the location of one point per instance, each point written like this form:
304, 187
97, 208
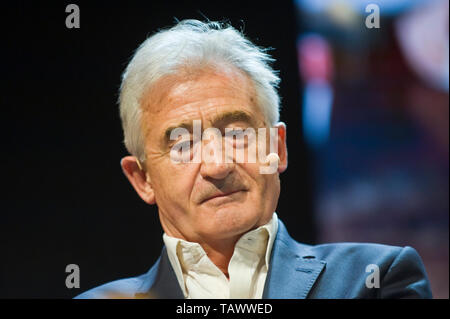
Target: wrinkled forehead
188, 86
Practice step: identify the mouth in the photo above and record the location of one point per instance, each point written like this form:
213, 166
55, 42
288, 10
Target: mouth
222, 196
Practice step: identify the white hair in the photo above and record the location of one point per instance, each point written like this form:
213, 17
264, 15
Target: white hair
188, 43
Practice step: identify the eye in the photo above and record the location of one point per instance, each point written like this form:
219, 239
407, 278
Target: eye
238, 133
183, 146
182, 151
236, 136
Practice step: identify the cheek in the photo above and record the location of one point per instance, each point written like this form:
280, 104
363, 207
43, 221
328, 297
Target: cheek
265, 186
258, 181
173, 183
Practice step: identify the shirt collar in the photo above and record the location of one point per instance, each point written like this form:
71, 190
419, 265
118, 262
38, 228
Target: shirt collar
261, 239
185, 255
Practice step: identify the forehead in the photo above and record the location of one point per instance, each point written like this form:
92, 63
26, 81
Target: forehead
200, 95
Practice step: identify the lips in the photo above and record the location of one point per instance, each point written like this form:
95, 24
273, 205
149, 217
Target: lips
219, 195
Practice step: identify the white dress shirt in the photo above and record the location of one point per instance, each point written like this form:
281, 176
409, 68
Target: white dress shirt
199, 277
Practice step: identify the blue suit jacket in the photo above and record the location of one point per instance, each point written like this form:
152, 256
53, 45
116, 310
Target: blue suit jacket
301, 271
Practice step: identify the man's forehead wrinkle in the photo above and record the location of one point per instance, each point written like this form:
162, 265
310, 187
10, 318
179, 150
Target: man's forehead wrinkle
178, 87
193, 93
157, 93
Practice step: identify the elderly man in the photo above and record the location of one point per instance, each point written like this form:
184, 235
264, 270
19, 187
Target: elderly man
217, 201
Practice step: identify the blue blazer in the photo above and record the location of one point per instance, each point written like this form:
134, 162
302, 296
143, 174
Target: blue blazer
301, 271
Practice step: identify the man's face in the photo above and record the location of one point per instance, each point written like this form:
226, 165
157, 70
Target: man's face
205, 201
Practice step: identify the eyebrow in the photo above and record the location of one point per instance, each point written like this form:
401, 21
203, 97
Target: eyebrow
218, 121
230, 117
187, 125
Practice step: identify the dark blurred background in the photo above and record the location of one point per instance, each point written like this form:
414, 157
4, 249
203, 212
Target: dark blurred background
367, 134
375, 115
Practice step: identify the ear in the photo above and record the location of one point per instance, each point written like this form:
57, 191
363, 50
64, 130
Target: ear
138, 178
282, 147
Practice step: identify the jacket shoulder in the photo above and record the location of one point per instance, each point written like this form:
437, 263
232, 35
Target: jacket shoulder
355, 251
128, 288
118, 289
400, 269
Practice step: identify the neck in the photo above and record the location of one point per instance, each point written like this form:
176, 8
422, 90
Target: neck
220, 252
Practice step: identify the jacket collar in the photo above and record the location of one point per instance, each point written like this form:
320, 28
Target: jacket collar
160, 282
293, 269
292, 273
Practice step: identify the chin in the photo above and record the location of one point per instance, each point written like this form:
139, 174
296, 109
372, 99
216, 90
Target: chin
229, 221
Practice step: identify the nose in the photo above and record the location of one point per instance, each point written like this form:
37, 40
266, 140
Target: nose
214, 166
215, 170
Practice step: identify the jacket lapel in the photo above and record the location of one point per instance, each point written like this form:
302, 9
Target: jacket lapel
293, 269
160, 282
